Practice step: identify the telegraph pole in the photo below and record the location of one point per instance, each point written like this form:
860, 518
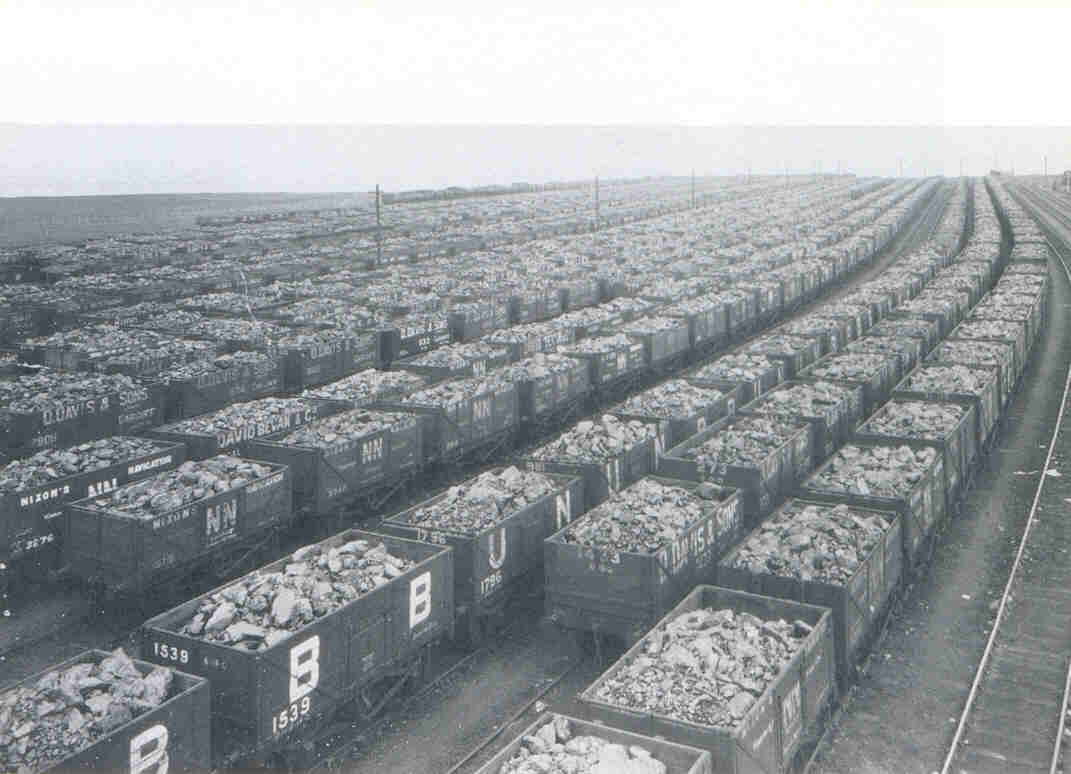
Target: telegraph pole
379, 229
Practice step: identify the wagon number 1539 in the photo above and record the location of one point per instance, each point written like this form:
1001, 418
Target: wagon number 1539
171, 653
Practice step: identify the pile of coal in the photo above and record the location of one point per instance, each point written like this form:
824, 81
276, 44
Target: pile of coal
331, 431
394, 298
266, 415
949, 379
931, 298
592, 316
842, 308
554, 748
1015, 269
894, 286
1006, 306
777, 344
459, 355
734, 296
915, 419
173, 320
733, 368
849, 366
988, 329
706, 666
644, 518
66, 710
804, 400
919, 328
238, 330
231, 302
49, 389
812, 542
481, 502
626, 306
108, 343
548, 333
904, 348
971, 351
454, 391
667, 288
192, 481
369, 385
138, 314
599, 345
746, 441
676, 398
648, 325
52, 464
536, 367
689, 306
882, 471
331, 311
198, 368
596, 440
867, 296
812, 326
301, 340
269, 606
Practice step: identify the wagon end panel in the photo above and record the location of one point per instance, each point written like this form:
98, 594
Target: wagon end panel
174, 735
231, 676
594, 590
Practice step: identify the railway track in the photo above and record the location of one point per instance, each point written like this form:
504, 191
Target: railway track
1013, 719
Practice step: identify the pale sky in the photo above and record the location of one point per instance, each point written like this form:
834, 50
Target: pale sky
551, 62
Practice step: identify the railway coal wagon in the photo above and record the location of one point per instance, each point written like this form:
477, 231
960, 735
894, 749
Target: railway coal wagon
294, 641
103, 711
135, 536
496, 524
619, 568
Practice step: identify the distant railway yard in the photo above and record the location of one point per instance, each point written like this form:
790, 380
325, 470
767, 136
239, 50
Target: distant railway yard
660, 476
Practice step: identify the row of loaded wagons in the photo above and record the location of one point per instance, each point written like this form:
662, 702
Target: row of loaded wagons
491, 413
943, 395
262, 700
163, 364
